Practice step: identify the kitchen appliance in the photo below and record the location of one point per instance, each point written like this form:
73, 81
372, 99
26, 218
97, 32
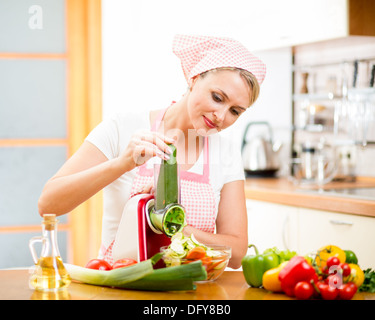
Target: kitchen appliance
309, 167
260, 155
144, 227
346, 155
316, 165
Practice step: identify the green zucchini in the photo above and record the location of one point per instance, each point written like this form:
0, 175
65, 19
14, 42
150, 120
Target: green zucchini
167, 214
167, 184
175, 278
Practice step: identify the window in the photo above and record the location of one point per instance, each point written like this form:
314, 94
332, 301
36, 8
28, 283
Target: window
47, 107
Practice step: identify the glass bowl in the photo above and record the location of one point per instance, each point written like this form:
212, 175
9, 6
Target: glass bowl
214, 262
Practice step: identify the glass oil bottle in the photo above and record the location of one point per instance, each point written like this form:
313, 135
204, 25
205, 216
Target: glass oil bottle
49, 273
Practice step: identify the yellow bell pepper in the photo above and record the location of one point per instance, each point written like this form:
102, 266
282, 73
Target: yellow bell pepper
356, 275
324, 253
270, 280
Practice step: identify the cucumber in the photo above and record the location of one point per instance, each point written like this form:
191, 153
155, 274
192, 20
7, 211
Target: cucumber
167, 184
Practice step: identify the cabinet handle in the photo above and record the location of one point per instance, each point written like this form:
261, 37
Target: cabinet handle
341, 223
284, 232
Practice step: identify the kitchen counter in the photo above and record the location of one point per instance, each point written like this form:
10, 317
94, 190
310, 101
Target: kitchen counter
334, 196
230, 286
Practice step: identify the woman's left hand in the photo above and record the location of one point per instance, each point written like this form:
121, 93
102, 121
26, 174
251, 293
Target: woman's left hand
148, 188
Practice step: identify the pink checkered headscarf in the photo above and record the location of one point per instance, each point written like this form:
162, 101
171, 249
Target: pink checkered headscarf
202, 53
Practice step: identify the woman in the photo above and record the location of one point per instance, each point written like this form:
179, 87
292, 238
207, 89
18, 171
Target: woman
223, 81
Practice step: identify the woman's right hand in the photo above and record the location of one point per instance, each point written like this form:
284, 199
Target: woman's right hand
143, 146
89, 171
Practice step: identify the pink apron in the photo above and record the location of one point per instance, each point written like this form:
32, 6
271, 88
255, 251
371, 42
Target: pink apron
197, 194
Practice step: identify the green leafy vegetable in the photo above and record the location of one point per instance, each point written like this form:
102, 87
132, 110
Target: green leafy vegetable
368, 284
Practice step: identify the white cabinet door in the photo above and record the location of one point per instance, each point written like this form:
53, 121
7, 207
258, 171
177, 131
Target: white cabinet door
349, 232
307, 230
294, 22
272, 225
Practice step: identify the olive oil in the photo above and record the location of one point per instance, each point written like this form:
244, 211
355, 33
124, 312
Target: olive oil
49, 273
62, 294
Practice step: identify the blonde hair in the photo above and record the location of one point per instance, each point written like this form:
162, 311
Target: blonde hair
249, 78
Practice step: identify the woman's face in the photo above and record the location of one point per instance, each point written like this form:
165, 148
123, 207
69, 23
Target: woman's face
217, 100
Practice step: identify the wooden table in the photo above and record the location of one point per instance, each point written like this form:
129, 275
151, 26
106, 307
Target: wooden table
230, 286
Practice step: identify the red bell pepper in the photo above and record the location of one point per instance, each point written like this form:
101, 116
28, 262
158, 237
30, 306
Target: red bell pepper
296, 270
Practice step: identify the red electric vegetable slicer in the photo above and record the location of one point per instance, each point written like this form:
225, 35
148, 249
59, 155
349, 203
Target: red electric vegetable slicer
143, 228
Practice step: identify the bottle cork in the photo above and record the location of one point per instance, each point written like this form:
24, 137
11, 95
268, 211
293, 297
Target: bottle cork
49, 219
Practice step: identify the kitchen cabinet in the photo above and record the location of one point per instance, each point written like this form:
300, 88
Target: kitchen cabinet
306, 230
271, 225
302, 22
317, 228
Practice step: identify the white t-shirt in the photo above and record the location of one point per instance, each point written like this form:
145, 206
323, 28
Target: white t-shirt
112, 136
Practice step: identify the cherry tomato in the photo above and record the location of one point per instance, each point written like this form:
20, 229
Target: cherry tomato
325, 270
99, 264
333, 261
345, 269
123, 263
303, 290
334, 280
347, 291
326, 291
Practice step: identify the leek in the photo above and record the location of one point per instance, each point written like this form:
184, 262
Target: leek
180, 277
111, 278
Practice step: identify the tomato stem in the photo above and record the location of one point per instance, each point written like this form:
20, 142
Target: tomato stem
315, 286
